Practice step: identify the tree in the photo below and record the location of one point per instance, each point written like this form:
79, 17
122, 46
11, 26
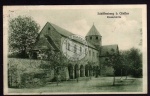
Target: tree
131, 62
23, 31
126, 65
56, 62
135, 58
113, 60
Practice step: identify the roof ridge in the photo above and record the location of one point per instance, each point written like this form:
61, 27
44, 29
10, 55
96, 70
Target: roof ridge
111, 45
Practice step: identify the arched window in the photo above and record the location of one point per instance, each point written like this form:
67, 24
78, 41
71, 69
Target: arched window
93, 54
69, 46
89, 52
75, 48
80, 49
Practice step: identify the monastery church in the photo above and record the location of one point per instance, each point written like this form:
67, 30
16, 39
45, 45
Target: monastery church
52, 37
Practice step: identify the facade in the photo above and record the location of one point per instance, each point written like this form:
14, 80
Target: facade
51, 38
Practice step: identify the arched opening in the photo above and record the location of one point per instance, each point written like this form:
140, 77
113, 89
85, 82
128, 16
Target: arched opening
86, 70
97, 71
90, 70
81, 71
70, 70
94, 70
76, 71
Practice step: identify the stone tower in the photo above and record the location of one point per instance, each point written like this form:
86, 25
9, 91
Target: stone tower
94, 37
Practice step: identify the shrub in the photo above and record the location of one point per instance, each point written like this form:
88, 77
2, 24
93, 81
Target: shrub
30, 80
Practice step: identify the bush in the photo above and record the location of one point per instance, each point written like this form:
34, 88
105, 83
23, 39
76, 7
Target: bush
136, 73
30, 80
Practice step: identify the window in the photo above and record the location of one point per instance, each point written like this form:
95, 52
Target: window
96, 37
97, 54
91, 37
93, 54
85, 50
89, 52
80, 49
49, 28
75, 48
68, 46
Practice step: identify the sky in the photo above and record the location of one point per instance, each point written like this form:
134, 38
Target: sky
124, 31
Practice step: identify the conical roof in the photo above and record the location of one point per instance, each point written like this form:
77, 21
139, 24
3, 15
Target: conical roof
93, 31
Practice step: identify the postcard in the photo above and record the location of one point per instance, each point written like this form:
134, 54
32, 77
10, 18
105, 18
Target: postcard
75, 49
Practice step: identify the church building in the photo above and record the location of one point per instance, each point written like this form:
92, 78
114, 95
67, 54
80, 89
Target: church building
51, 39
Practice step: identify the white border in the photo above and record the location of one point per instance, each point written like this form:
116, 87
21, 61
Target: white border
43, 7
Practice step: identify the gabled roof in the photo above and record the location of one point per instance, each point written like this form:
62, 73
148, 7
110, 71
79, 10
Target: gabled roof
46, 43
109, 50
66, 33
93, 31
62, 31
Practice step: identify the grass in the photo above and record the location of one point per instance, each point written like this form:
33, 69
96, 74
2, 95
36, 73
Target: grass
85, 84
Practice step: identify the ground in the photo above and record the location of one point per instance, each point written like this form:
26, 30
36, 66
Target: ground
87, 85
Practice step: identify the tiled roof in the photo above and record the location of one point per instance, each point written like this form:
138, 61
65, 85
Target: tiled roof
93, 31
109, 50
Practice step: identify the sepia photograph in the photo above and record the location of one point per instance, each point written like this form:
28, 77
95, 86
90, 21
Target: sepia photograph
75, 49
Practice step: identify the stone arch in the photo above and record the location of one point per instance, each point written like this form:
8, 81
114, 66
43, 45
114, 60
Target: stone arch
81, 71
70, 70
90, 70
76, 71
97, 71
94, 70
86, 70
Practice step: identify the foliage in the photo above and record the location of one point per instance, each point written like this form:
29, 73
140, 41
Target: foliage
131, 62
55, 62
22, 35
113, 60
135, 58
30, 80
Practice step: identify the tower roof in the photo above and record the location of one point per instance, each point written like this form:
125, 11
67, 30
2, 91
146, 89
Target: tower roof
93, 31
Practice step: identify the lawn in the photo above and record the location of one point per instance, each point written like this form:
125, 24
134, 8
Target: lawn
87, 85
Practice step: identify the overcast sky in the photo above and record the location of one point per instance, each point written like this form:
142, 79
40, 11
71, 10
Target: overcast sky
124, 31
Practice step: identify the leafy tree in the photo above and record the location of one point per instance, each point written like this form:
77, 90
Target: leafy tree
135, 58
23, 31
56, 62
126, 65
131, 62
113, 60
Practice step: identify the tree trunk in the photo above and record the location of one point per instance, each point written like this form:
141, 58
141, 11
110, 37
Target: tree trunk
57, 79
114, 79
121, 73
126, 74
